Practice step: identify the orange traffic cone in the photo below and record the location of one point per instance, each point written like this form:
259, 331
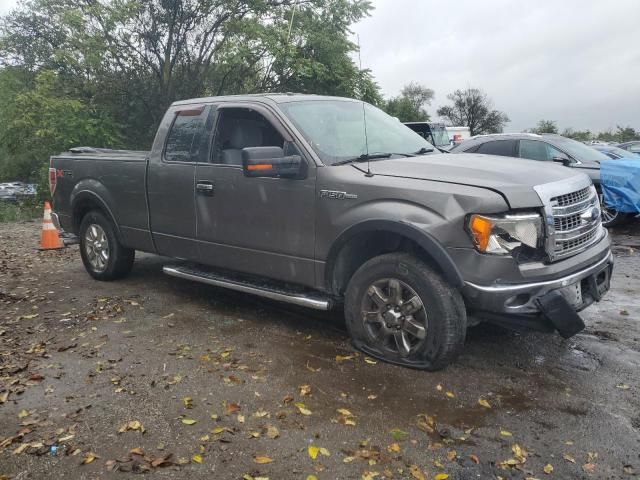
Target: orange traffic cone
49, 239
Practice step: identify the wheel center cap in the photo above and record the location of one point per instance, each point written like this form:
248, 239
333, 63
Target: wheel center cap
392, 317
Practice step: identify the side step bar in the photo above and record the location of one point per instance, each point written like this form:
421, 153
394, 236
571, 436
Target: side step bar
310, 300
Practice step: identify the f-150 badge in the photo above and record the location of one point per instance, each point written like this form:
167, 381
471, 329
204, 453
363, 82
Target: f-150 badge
337, 195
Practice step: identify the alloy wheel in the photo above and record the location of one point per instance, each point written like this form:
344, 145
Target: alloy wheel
96, 247
394, 317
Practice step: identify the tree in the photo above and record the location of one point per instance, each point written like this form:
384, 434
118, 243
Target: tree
580, 135
546, 126
472, 108
135, 57
409, 105
626, 134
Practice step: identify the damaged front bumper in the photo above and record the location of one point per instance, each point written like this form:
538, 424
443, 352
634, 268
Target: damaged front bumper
544, 305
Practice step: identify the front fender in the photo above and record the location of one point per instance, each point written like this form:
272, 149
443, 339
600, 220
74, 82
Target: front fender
427, 242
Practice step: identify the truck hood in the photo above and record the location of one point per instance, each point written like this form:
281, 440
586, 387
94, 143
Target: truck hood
513, 179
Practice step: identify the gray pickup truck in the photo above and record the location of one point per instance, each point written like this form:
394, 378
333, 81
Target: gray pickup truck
321, 202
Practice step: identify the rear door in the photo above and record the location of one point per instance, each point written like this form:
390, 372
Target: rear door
262, 226
171, 179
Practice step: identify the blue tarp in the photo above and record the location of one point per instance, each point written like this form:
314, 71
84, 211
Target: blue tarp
620, 182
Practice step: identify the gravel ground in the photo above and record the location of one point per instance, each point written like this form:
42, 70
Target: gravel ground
164, 377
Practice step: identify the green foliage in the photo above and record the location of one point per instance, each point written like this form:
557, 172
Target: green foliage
13, 212
579, 135
546, 126
409, 105
102, 72
472, 108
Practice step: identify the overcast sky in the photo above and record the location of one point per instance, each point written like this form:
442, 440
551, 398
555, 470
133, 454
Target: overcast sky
573, 61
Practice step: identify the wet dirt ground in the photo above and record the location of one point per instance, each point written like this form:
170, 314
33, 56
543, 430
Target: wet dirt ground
164, 377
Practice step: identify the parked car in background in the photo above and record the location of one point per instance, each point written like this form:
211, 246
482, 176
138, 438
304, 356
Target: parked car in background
8, 194
434, 133
549, 148
614, 152
19, 189
633, 147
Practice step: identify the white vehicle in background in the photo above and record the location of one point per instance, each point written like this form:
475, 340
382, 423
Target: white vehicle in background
458, 134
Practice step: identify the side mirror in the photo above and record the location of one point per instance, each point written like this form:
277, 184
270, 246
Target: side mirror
270, 162
566, 161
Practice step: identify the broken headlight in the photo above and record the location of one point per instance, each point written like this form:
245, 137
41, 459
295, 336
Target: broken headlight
501, 235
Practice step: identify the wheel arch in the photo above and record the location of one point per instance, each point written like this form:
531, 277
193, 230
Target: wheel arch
85, 201
371, 238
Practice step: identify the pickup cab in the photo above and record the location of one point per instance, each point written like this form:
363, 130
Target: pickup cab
323, 201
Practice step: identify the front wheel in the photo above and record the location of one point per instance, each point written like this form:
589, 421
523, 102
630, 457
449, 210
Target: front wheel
103, 256
401, 311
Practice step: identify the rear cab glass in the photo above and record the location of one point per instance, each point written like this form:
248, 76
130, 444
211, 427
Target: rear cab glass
188, 137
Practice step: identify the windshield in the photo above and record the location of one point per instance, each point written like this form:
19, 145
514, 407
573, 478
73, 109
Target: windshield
579, 151
335, 129
440, 136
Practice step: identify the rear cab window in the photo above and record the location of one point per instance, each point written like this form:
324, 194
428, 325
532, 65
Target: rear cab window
188, 137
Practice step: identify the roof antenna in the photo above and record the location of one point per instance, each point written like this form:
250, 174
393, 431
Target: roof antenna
364, 114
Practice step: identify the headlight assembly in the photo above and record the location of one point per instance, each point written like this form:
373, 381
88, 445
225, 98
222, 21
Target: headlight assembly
502, 234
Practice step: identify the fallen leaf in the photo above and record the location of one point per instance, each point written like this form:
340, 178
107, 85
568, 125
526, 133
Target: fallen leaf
311, 369
548, 469
474, 459
240, 418
623, 386
439, 387
398, 434
312, 477
23, 413
441, 476
569, 458
4, 397
416, 473
305, 390
452, 455
450, 394
370, 361
232, 408
589, 467
505, 433
261, 459
132, 425
484, 403
372, 397
187, 402
88, 458
189, 421
302, 409
345, 412
313, 451
197, 458
272, 432
287, 399
344, 358
394, 448
137, 451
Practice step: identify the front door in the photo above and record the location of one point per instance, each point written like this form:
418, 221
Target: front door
262, 226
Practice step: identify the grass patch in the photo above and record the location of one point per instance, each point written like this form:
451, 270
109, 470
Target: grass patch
14, 212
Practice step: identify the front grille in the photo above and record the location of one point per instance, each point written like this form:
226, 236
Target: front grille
572, 198
575, 223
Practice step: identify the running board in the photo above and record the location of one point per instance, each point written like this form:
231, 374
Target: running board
300, 298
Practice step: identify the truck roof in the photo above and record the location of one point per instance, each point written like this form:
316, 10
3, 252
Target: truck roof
272, 97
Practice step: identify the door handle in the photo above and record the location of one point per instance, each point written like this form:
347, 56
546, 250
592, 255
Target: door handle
204, 188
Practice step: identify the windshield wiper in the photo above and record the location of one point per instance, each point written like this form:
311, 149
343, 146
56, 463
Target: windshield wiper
423, 150
371, 156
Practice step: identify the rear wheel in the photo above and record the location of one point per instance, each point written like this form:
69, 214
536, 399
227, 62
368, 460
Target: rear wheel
103, 256
401, 311
612, 218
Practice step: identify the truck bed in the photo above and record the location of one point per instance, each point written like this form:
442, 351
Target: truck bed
115, 179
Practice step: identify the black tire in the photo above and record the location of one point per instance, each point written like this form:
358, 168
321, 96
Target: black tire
443, 316
119, 258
